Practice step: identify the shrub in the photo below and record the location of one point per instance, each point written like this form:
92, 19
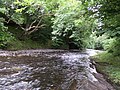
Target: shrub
5, 36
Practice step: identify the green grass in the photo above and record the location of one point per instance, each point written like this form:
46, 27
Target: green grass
23, 43
109, 65
114, 73
19, 45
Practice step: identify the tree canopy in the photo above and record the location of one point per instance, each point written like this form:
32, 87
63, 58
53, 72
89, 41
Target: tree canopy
62, 23
70, 20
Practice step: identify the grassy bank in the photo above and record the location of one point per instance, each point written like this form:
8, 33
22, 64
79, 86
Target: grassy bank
109, 65
18, 41
26, 44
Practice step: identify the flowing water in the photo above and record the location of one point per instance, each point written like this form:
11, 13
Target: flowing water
49, 70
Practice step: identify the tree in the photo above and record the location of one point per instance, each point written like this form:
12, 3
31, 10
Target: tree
5, 36
72, 23
109, 14
29, 15
71, 20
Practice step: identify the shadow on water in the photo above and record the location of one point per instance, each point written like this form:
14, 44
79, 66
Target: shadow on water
50, 71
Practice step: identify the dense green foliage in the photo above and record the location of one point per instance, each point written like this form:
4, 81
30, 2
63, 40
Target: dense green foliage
62, 23
65, 22
109, 14
29, 19
101, 42
107, 34
72, 24
5, 36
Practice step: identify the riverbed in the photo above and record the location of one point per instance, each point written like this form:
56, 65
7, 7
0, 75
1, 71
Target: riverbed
48, 69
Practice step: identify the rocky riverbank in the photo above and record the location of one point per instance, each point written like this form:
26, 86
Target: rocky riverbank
103, 67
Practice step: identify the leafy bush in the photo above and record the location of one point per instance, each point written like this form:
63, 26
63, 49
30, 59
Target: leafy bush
102, 42
71, 24
5, 36
115, 47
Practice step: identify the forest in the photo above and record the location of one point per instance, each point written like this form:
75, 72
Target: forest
64, 24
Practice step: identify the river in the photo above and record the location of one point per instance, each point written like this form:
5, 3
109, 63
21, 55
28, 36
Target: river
49, 70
